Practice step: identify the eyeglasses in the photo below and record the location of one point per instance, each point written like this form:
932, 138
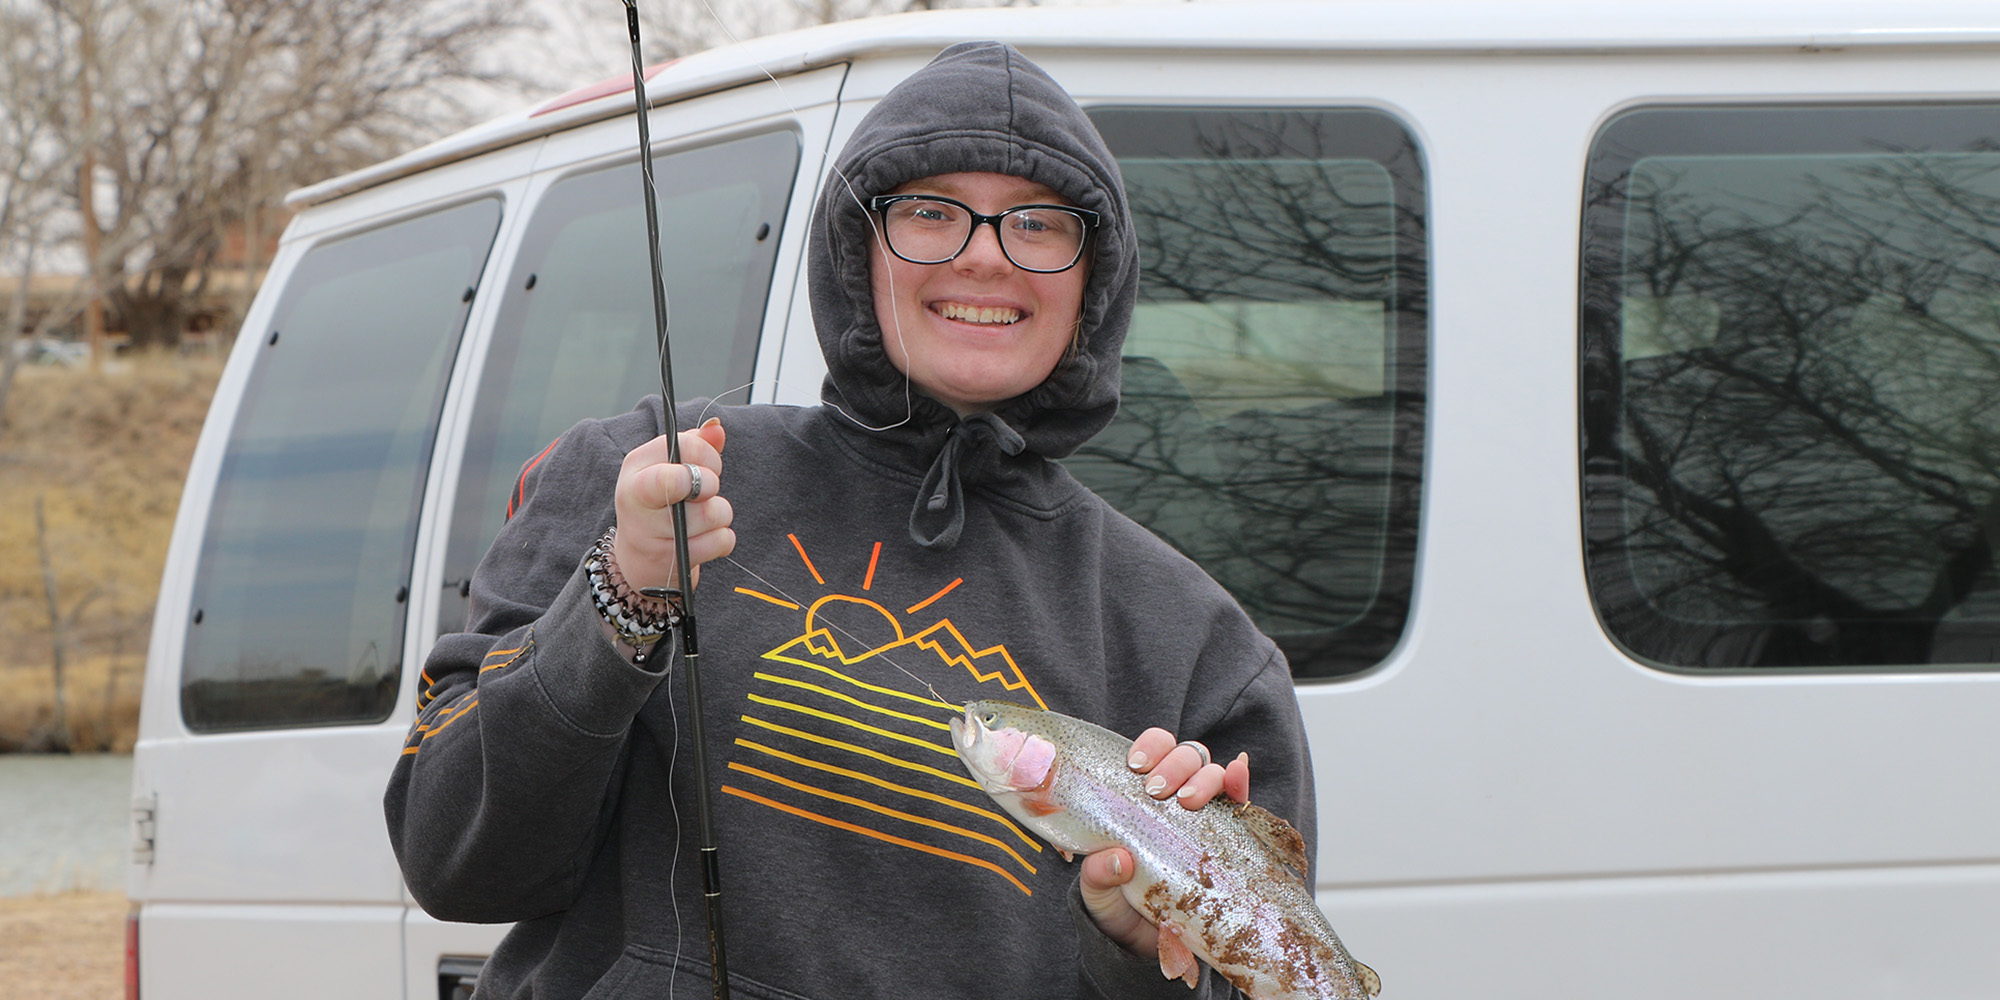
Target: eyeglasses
928, 229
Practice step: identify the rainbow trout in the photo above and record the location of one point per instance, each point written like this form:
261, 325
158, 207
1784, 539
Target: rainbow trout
1225, 882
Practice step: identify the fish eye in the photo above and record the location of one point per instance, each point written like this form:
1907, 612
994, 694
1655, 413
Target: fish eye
989, 718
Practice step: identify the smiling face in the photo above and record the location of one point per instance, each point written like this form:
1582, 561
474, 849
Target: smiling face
976, 331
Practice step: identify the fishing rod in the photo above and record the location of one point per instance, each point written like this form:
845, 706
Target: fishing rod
681, 598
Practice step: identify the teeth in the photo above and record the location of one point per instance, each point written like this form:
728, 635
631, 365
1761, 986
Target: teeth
978, 314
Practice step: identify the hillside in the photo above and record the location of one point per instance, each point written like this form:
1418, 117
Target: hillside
102, 457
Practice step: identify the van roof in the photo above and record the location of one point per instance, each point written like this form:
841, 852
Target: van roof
1374, 26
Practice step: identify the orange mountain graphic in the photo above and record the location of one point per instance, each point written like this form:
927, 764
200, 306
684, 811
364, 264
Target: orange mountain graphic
943, 640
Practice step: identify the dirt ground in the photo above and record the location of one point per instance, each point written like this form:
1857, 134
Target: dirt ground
69, 946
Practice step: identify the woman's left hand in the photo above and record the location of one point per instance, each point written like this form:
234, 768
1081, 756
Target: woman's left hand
1173, 771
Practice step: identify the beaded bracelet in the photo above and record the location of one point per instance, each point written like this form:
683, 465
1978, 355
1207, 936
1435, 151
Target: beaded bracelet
637, 620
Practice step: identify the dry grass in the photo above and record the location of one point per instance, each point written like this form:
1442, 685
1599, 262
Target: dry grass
69, 946
102, 695
104, 456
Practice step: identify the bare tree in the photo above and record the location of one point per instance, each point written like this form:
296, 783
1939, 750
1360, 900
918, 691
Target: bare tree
206, 111
36, 164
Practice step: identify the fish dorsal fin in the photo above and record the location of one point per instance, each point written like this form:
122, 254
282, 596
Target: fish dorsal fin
1370, 982
1276, 835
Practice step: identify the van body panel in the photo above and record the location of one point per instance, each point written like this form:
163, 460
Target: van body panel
300, 832
1925, 933
250, 952
1510, 804
1361, 28
1609, 767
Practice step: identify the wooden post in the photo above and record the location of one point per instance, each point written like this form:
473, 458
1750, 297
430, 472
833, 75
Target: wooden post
56, 636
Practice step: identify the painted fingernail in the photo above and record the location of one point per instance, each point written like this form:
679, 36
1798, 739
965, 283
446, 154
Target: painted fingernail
1187, 791
1244, 756
1155, 785
1117, 866
1138, 760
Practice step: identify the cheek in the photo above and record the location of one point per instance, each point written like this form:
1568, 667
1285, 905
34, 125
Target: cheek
880, 285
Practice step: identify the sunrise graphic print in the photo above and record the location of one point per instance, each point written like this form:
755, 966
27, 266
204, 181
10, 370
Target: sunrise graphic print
845, 724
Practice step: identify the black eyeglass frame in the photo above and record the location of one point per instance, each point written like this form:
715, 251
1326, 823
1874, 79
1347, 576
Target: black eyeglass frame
881, 202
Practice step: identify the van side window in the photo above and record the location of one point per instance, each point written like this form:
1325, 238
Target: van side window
1791, 385
305, 564
575, 336
1271, 426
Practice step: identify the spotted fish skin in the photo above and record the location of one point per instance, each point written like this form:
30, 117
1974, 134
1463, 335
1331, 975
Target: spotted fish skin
1226, 881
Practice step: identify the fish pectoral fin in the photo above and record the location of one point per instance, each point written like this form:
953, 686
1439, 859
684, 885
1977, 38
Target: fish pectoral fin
1177, 962
1066, 856
1277, 836
1369, 980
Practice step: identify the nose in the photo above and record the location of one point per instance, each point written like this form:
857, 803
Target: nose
983, 255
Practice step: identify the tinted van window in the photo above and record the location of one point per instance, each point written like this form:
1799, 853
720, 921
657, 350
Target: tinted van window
1791, 323
575, 336
1272, 420
305, 564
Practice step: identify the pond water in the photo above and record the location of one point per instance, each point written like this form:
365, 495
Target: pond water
63, 822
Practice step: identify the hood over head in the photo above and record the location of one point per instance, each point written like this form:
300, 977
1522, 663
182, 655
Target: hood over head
977, 107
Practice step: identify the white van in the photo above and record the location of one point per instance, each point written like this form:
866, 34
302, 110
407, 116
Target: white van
1610, 399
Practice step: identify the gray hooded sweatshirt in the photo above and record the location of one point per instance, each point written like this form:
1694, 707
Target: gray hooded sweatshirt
880, 576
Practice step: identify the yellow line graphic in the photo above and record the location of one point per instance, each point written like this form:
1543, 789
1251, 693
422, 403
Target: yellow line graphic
883, 810
864, 685
879, 835
779, 601
850, 699
908, 765
822, 642
845, 721
894, 787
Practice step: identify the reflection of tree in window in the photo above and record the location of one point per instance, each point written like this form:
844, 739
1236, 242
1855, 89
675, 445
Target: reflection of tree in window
1811, 369
1260, 382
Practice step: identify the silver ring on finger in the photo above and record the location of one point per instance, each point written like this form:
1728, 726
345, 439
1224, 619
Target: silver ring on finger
1196, 746
694, 482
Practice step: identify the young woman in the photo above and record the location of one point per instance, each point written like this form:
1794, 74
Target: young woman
870, 563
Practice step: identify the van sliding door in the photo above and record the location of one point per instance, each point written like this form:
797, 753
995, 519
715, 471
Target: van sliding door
270, 861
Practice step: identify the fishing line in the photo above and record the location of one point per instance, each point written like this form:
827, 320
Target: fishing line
716, 400
881, 245
683, 594
674, 866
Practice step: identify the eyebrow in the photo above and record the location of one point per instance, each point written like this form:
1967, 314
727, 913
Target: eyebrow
927, 185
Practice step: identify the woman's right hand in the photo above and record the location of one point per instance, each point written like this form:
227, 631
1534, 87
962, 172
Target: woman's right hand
648, 487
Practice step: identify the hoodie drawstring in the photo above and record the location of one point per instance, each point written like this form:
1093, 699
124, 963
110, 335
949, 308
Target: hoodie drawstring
941, 498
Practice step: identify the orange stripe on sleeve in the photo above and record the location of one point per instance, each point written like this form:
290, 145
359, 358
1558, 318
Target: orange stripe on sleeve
521, 484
